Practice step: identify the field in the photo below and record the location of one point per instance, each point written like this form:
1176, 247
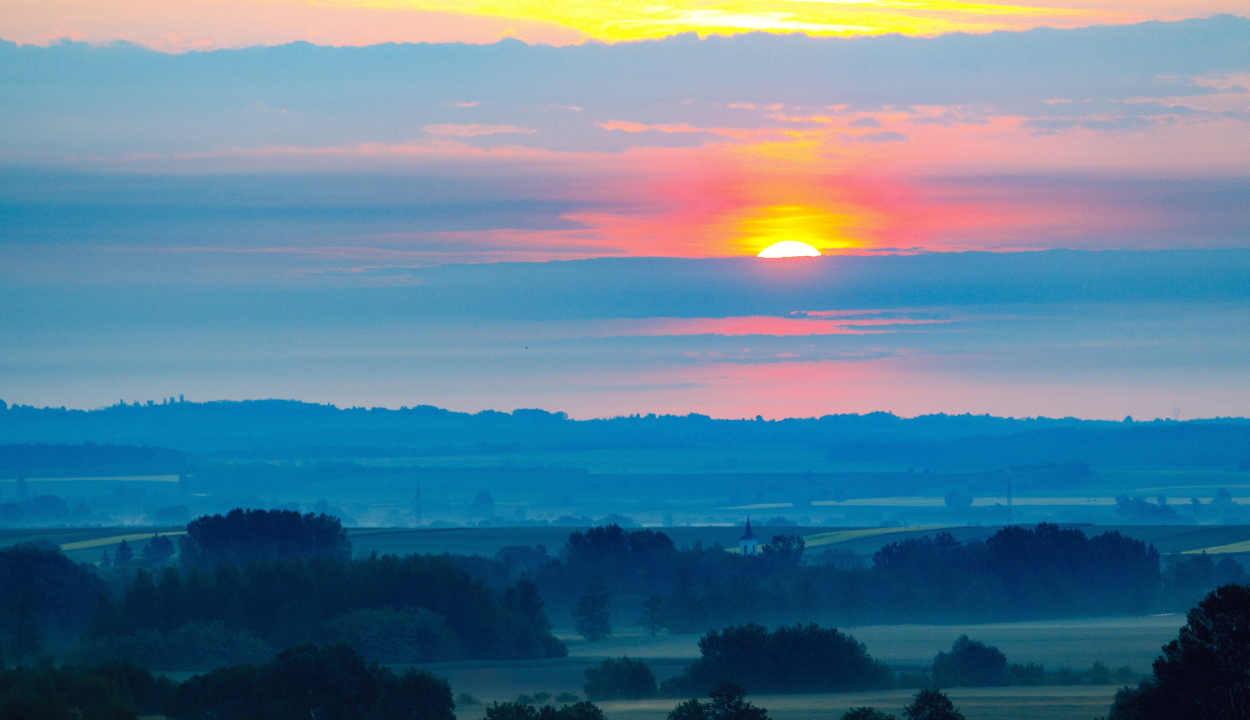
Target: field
1215, 539
1075, 643
1012, 703
86, 544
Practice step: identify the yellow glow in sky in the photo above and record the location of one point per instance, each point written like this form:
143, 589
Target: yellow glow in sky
179, 25
637, 19
810, 226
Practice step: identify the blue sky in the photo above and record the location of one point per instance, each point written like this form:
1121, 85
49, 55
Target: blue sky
1048, 222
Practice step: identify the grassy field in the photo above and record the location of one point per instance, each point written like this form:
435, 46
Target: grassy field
86, 544
1012, 703
1075, 643
489, 682
1133, 641
865, 541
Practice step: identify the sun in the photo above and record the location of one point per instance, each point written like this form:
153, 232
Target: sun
789, 248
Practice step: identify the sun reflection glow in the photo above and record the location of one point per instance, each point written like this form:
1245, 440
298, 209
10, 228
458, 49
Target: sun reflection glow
789, 248
789, 228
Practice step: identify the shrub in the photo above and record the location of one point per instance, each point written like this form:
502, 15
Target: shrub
970, 663
931, 704
789, 659
622, 679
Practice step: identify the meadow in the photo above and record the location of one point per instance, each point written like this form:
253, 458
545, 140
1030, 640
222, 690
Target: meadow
87, 544
1215, 539
1007, 703
1072, 643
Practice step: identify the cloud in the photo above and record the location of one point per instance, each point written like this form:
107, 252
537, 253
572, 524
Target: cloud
379, 94
866, 121
884, 136
474, 130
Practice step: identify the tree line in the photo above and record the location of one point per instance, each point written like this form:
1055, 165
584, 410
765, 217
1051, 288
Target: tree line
250, 583
1018, 573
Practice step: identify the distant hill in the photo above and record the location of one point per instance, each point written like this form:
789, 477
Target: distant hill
289, 430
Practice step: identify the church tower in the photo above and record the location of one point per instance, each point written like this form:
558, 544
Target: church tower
748, 545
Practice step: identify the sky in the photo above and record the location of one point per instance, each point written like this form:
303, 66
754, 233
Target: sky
1023, 209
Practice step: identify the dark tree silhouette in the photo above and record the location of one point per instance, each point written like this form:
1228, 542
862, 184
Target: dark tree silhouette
865, 713
785, 550
418, 608
44, 597
321, 682
654, 614
524, 600
525, 711
330, 682
692, 709
931, 704
243, 535
970, 664
622, 679
1204, 674
158, 550
124, 554
112, 691
415, 695
799, 658
727, 702
590, 615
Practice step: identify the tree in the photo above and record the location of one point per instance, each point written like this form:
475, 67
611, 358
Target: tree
321, 682
524, 711
511, 711
158, 550
622, 679
728, 703
328, 683
785, 550
242, 535
43, 596
970, 664
931, 704
124, 554
526, 601
591, 616
1203, 674
654, 614
799, 658
415, 695
865, 713
692, 709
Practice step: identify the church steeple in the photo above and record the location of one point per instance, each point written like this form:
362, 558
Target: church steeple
748, 535
748, 545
